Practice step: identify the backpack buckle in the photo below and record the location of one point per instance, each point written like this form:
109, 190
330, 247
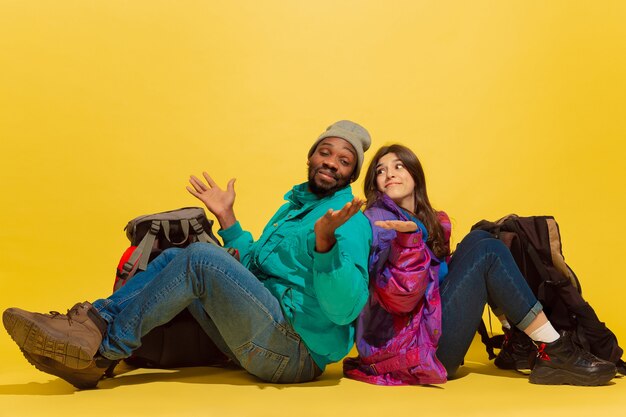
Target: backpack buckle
197, 227
558, 284
127, 268
154, 227
125, 271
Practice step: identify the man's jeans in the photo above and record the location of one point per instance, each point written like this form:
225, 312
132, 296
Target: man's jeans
238, 313
481, 271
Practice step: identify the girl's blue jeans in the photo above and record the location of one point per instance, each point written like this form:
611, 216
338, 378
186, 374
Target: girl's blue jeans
481, 271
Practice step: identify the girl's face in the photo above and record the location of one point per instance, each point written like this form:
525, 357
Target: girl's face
393, 179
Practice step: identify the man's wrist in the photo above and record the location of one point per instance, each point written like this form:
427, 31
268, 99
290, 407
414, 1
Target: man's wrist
226, 219
324, 244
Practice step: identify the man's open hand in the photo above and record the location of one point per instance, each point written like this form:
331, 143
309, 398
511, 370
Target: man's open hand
326, 225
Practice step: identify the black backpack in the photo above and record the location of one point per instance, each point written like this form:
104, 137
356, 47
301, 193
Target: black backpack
180, 342
535, 243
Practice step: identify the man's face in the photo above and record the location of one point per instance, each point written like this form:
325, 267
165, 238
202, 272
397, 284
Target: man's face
331, 166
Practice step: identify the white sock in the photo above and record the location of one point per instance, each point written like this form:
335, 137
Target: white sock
505, 323
544, 333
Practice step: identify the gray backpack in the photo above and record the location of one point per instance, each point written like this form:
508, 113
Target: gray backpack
151, 234
180, 342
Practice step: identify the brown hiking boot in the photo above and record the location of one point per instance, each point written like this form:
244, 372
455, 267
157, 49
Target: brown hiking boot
85, 378
71, 339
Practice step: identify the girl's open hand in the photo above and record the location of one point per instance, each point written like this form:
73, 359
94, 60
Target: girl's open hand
397, 225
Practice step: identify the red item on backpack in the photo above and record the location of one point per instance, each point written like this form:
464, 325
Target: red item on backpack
120, 267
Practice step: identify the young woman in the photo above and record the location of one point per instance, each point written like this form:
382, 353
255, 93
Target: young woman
425, 305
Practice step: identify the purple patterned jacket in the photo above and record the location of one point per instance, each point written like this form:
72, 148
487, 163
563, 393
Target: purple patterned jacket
397, 332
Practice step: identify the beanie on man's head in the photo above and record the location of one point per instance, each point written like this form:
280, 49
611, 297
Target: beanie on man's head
351, 132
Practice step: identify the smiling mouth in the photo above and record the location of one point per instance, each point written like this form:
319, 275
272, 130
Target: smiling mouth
390, 184
327, 175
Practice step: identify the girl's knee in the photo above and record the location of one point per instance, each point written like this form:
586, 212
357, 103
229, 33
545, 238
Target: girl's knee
479, 235
486, 242
474, 238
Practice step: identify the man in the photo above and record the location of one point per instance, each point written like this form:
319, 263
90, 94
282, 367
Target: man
283, 313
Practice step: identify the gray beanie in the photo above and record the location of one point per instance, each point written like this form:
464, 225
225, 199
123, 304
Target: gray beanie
352, 132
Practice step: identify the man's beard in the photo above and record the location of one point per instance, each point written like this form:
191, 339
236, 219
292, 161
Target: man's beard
322, 188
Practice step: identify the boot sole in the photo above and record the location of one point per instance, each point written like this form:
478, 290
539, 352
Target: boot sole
80, 378
517, 365
552, 376
37, 341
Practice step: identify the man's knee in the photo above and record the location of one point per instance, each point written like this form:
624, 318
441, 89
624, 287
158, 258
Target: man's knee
201, 251
201, 248
171, 252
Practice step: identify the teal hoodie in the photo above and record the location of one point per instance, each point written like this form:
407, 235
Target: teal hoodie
321, 294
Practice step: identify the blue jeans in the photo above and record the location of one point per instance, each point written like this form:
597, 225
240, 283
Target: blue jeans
481, 271
238, 313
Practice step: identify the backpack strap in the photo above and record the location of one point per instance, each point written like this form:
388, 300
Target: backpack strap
184, 226
489, 342
202, 235
541, 269
546, 279
528, 249
141, 255
557, 254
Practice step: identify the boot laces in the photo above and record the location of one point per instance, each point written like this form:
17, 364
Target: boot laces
541, 353
580, 349
507, 338
70, 312
586, 355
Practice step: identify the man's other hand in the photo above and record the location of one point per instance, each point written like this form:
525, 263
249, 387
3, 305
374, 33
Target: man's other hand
217, 201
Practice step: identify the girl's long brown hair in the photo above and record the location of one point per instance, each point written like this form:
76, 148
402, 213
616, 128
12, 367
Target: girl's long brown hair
422, 208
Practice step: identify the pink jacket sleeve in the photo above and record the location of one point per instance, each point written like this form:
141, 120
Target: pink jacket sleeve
401, 283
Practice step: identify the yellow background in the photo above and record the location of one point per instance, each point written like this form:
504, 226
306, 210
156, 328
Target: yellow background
106, 107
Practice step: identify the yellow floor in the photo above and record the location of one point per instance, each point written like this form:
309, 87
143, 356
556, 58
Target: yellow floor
481, 390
